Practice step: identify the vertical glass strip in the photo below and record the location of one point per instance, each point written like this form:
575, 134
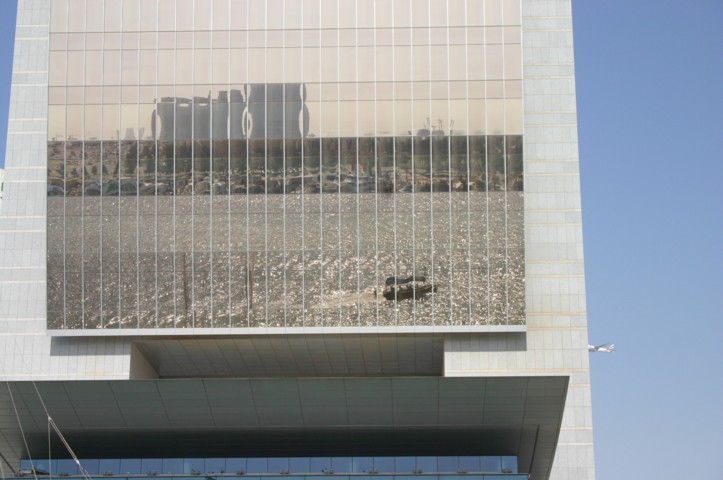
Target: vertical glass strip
415, 269
118, 178
82, 188
452, 250
177, 320
101, 199
488, 318
361, 310
505, 186
267, 270
245, 127
471, 262
157, 314
64, 281
230, 252
165, 105
66, 133
194, 182
395, 197
303, 182
139, 139
211, 321
285, 263
340, 286
375, 168
432, 160
320, 199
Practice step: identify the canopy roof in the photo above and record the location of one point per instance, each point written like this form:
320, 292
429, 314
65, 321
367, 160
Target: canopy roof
286, 417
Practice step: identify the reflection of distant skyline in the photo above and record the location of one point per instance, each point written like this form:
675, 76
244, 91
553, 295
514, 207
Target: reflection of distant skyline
260, 111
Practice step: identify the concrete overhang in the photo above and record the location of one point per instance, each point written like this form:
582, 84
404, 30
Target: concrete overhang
277, 356
289, 417
236, 331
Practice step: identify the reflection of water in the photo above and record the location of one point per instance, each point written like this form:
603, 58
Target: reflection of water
318, 264
346, 299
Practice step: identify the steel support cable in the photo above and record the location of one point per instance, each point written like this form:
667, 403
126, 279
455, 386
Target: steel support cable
22, 430
82, 469
51, 423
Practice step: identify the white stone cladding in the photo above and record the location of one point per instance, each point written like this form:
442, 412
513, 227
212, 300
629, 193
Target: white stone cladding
556, 340
25, 349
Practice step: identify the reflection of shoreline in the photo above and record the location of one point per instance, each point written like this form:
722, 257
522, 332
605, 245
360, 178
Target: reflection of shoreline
188, 184
364, 165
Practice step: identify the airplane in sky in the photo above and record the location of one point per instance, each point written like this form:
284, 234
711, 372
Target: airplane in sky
605, 348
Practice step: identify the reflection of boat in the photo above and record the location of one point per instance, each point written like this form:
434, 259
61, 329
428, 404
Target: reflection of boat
401, 288
411, 290
400, 280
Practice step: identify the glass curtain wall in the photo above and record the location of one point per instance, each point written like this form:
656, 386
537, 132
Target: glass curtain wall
285, 163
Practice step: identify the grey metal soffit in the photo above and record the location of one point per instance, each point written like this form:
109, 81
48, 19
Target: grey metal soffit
333, 416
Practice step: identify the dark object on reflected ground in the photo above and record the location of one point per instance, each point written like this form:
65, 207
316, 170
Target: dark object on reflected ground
400, 280
411, 287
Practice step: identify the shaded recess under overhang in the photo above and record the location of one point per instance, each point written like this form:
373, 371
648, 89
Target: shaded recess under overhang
286, 417
272, 356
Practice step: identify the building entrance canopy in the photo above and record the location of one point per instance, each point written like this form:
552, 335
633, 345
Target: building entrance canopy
291, 417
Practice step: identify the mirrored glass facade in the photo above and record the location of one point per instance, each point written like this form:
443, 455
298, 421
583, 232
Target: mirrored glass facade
285, 163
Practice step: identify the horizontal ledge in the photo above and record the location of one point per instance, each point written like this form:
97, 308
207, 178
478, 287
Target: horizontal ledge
156, 332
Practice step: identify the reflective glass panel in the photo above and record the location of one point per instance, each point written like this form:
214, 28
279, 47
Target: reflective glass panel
298, 128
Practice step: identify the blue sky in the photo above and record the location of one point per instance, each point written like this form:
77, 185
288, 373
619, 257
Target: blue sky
650, 104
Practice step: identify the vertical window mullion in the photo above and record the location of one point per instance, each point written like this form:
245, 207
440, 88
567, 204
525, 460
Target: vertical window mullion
174, 249
356, 145
193, 169
245, 129
469, 175
338, 158
284, 258
138, 185
228, 174
431, 157
82, 194
450, 125
118, 160
266, 164
394, 162
155, 181
414, 178
322, 88
211, 169
102, 156
376, 172
303, 185
65, 184
486, 166
504, 173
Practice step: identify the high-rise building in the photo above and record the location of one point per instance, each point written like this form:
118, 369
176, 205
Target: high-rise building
294, 237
